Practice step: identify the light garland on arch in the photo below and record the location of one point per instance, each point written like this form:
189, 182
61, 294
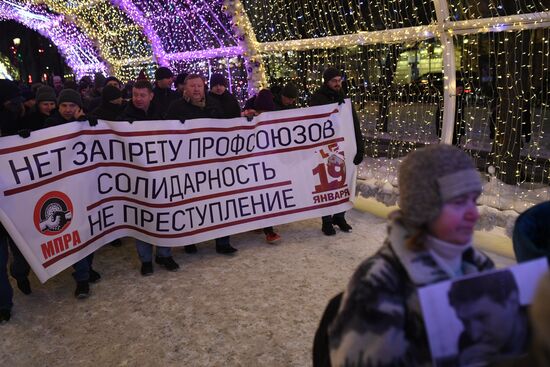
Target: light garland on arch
242, 28
77, 49
7, 70
121, 42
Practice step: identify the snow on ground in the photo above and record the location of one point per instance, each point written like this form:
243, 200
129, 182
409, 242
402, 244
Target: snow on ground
260, 307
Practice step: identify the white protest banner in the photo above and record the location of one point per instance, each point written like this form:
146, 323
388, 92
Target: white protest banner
70, 189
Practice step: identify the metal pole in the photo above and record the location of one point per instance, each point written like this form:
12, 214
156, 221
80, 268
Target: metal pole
449, 70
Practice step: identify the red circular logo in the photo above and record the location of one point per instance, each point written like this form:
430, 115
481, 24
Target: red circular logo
53, 213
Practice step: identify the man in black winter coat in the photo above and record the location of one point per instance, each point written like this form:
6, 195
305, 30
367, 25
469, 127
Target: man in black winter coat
10, 107
69, 109
194, 105
42, 110
286, 99
331, 92
111, 104
228, 102
164, 95
140, 107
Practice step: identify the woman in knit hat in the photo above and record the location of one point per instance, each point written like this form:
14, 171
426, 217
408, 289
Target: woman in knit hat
429, 240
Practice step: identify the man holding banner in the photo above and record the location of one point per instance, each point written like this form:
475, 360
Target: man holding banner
195, 105
141, 108
331, 92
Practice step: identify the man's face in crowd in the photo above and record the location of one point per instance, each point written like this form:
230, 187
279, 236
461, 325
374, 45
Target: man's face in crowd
165, 83
488, 322
194, 89
218, 89
68, 110
57, 83
141, 98
335, 83
287, 101
46, 107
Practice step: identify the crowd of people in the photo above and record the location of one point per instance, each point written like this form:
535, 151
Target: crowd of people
181, 97
377, 321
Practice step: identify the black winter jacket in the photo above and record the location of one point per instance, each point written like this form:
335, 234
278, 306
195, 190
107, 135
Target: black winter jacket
183, 110
132, 113
163, 99
325, 95
108, 111
229, 105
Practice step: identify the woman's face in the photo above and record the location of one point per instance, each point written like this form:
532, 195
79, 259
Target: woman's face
457, 219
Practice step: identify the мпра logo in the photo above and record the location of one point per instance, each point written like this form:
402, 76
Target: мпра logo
53, 213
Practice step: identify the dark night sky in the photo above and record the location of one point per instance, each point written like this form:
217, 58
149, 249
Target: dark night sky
33, 62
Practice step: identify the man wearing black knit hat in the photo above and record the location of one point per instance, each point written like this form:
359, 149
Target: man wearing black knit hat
69, 105
70, 109
331, 92
112, 104
218, 90
42, 110
163, 93
286, 99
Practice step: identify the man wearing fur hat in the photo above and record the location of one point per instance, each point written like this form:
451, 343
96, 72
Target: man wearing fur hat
331, 92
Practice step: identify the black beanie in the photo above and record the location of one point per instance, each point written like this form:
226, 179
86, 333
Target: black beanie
110, 93
217, 79
163, 73
330, 73
69, 95
290, 91
45, 94
111, 78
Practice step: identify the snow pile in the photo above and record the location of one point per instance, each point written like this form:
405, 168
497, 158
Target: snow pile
500, 204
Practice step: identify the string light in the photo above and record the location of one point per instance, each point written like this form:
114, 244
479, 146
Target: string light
7, 70
77, 49
386, 48
121, 42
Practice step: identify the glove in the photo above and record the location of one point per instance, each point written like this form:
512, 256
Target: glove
24, 133
92, 121
358, 158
